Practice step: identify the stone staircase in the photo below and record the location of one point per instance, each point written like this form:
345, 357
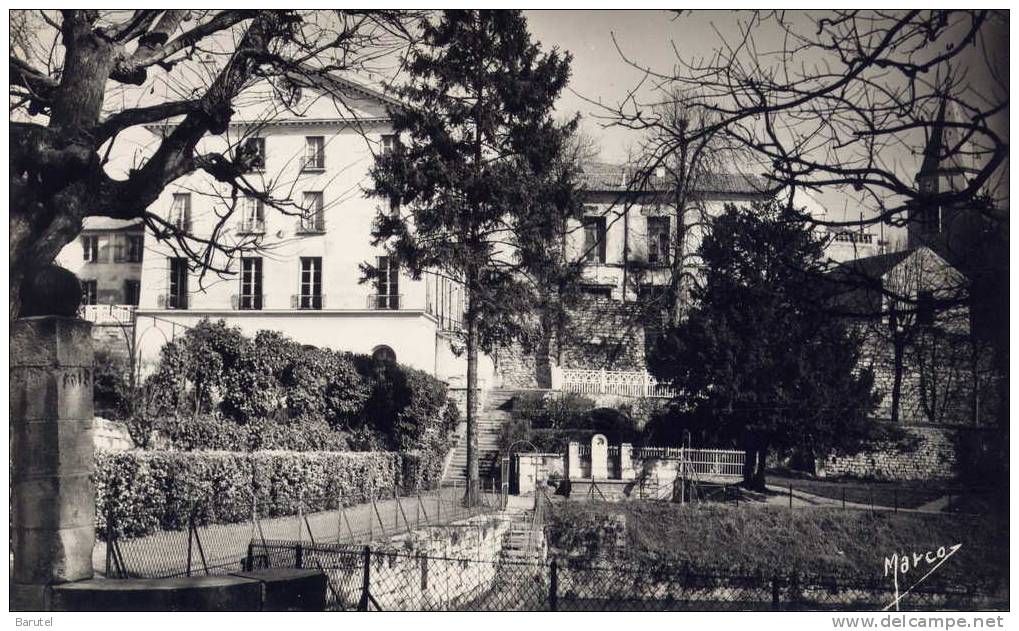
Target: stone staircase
490, 421
522, 542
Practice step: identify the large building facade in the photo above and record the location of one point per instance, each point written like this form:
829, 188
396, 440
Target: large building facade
306, 266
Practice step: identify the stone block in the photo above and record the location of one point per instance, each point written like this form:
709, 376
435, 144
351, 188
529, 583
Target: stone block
53, 392
197, 593
52, 448
54, 502
287, 589
51, 341
50, 555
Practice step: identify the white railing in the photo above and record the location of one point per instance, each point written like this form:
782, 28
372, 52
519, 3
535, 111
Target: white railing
107, 314
708, 462
635, 383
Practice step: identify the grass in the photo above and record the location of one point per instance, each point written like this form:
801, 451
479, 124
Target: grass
754, 539
890, 494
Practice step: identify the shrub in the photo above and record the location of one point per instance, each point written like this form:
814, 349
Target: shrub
111, 389
140, 492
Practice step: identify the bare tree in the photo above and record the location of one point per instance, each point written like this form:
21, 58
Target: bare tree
904, 111
80, 79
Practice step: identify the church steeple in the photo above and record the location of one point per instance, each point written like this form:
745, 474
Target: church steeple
946, 168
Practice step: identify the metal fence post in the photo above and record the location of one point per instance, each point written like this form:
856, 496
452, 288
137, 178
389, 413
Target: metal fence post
843, 497
553, 587
366, 579
774, 592
191, 530
790, 496
299, 556
249, 564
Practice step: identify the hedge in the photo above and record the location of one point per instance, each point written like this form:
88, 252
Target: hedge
140, 492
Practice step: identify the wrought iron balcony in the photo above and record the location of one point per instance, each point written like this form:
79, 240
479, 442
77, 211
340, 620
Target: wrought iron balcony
172, 301
252, 302
389, 302
307, 301
251, 226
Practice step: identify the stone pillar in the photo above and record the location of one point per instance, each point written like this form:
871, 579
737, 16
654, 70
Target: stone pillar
599, 457
525, 473
51, 450
626, 471
573, 461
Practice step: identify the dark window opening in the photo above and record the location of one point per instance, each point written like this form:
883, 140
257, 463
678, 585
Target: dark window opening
132, 292
658, 240
594, 239
311, 283
251, 283
384, 354
89, 292
178, 296
387, 283
315, 153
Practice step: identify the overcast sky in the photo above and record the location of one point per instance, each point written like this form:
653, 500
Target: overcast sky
652, 39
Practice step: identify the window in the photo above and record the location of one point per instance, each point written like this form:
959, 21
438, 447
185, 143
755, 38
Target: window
252, 215
594, 239
384, 354
387, 283
658, 240
132, 292
312, 216
105, 248
90, 248
178, 296
389, 143
251, 283
89, 292
314, 153
255, 147
135, 247
180, 211
311, 283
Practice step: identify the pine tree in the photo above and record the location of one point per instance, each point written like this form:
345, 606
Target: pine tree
474, 177
759, 360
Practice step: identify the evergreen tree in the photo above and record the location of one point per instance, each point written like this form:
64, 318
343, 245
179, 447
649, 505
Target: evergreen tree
758, 360
473, 182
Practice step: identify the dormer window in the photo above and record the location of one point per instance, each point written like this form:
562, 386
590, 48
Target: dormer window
389, 143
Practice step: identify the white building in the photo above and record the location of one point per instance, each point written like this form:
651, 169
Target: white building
305, 278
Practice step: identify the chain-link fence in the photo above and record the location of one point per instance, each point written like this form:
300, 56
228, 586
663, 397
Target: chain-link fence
367, 579
201, 543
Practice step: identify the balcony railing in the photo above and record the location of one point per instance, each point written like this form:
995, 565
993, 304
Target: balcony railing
390, 302
316, 225
253, 302
251, 226
303, 301
313, 163
172, 301
107, 314
636, 383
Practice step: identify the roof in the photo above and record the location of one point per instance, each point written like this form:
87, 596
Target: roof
603, 176
109, 223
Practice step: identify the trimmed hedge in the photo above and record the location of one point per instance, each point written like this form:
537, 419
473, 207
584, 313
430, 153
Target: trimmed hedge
140, 492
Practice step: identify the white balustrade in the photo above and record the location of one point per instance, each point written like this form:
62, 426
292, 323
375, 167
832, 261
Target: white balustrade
631, 383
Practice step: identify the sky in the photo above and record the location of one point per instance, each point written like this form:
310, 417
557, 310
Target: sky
598, 41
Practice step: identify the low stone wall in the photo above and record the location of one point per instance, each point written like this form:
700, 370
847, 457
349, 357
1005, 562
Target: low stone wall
111, 435
424, 569
934, 457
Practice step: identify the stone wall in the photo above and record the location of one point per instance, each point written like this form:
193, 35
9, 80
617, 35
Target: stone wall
934, 457
604, 333
111, 435
424, 570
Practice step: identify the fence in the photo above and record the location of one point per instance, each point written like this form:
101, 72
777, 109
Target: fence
706, 462
637, 383
199, 545
367, 579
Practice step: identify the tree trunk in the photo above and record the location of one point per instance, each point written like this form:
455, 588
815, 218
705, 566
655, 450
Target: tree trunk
749, 461
472, 399
758, 483
897, 369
